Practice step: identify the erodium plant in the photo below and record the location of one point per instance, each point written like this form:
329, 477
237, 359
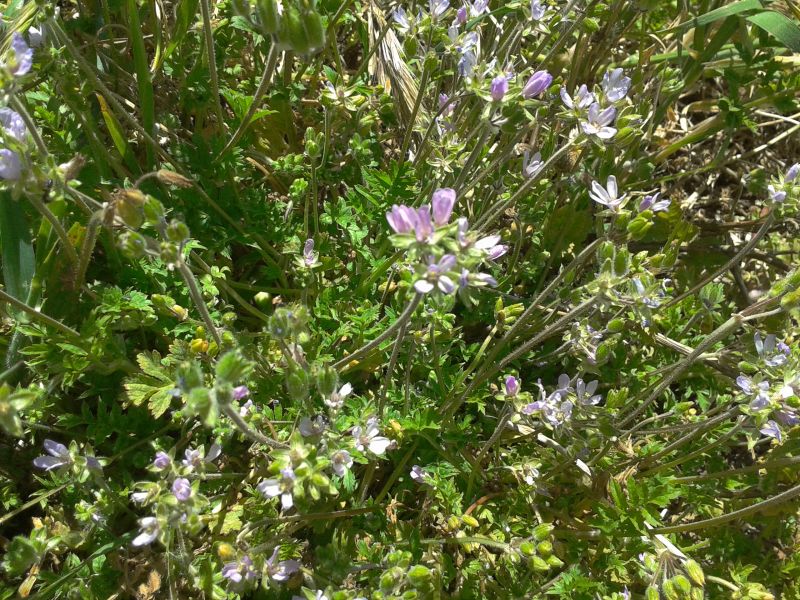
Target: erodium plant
325, 299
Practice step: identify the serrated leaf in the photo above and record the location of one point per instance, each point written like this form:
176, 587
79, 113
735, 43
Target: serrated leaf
233, 520
150, 364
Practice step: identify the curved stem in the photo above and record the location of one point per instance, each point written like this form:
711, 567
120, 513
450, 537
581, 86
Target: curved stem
251, 433
401, 320
789, 494
38, 315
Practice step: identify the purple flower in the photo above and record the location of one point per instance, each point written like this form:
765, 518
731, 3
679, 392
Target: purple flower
399, 16
193, 458
162, 461
270, 488
468, 52
10, 165
59, 456
537, 84
478, 7
369, 438
651, 202
12, 124
341, 461
599, 122
21, 56
282, 570
759, 390
424, 226
446, 106
182, 489
496, 252
241, 570
438, 7
309, 256
461, 15
436, 276
616, 85
792, 173
148, 531
771, 429
586, 392
442, 202
512, 386
583, 98
402, 218
312, 427
538, 10
240, 392
769, 351
419, 474
498, 87
607, 196
531, 165
776, 195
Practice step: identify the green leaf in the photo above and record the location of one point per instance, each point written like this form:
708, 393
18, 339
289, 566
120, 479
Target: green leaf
717, 14
780, 27
19, 262
185, 13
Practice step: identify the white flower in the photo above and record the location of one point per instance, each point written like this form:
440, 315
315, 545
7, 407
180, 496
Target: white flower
271, 488
599, 122
149, 530
616, 85
368, 439
341, 461
607, 196
336, 399
583, 98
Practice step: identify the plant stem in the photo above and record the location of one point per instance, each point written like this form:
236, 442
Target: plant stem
39, 315
263, 86
401, 320
251, 433
208, 36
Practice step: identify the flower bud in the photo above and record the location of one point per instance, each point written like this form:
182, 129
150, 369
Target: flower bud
173, 178
177, 231
453, 523
669, 590
132, 244
231, 367
263, 299
198, 346
554, 561
537, 84
153, 210
297, 385
327, 381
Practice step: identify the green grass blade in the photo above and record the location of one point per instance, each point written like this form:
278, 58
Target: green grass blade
717, 14
780, 27
143, 77
19, 261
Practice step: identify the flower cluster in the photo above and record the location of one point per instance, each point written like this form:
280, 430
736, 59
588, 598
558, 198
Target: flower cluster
770, 389
595, 119
554, 408
446, 256
17, 62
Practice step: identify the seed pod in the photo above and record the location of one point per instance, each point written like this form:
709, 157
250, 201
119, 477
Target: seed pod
615, 325
297, 385
697, 594
539, 564
651, 593
545, 548
419, 575
453, 523
542, 531
268, 16
314, 30
554, 561
527, 549
682, 585
669, 590
695, 572
327, 381
292, 33
470, 521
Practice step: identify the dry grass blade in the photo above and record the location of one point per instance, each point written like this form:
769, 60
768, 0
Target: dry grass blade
388, 67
